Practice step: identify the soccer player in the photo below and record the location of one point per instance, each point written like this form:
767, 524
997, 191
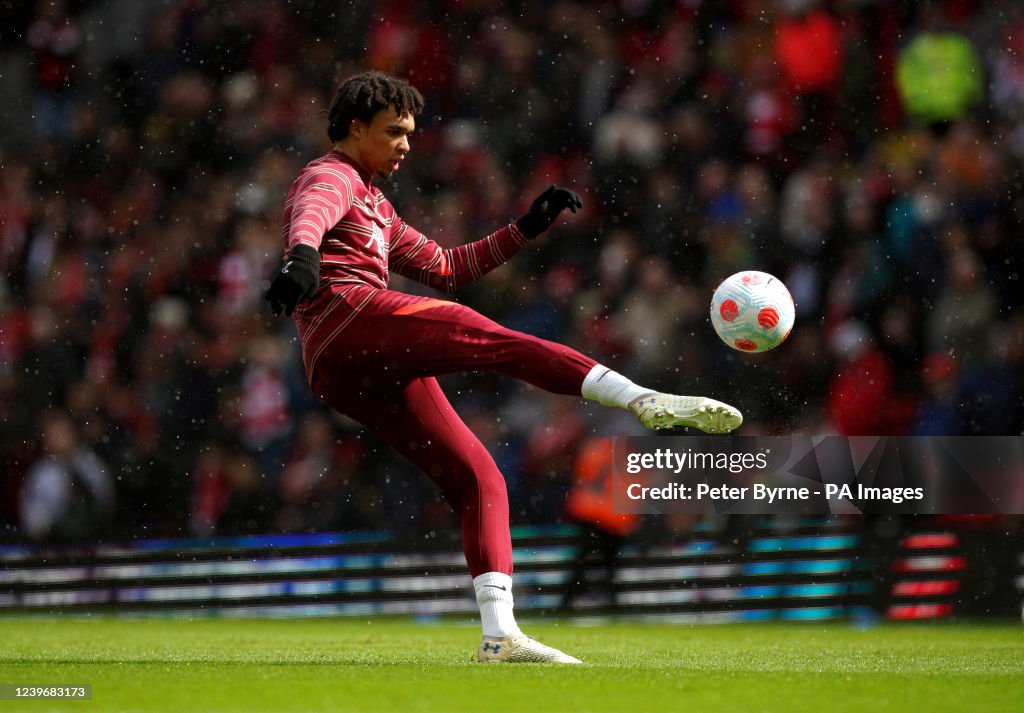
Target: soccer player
372, 353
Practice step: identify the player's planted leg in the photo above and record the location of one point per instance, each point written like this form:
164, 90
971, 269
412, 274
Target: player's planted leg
519, 648
503, 641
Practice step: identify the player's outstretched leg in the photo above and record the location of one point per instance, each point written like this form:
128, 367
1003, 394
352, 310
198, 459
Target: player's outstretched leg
666, 411
405, 331
659, 411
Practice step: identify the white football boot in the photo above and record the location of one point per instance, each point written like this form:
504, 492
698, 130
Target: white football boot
519, 648
666, 411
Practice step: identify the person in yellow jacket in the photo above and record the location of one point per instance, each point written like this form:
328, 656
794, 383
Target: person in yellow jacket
939, 74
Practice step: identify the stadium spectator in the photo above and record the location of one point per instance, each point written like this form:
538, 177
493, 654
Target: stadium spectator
267, 406
319, 489
56, 39
68, 494
1006, 62
230, 495
861, 390
939, 414
961, 322
809, 52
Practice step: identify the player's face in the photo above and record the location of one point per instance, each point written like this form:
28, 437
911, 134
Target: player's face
384, 142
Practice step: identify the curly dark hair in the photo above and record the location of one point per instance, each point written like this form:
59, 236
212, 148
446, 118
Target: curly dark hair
363, 95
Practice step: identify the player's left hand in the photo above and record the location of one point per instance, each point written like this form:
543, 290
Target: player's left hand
545, 208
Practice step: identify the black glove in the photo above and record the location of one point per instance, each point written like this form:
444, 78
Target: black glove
295, 281
545, 208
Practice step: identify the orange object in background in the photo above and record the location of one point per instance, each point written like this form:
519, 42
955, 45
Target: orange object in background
591, 497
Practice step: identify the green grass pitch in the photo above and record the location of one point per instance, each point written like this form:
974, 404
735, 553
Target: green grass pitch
398, 665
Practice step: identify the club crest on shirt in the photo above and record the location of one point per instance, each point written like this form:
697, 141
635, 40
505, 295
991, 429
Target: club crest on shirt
376, 240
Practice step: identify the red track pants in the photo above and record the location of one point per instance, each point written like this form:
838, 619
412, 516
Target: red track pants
380, 371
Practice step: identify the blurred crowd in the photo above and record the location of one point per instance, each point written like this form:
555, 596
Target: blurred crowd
866, 152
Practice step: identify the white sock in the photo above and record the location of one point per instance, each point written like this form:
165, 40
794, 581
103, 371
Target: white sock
610, 388
494, 597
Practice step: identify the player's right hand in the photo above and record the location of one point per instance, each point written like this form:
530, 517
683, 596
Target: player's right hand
295, 281
545, 208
